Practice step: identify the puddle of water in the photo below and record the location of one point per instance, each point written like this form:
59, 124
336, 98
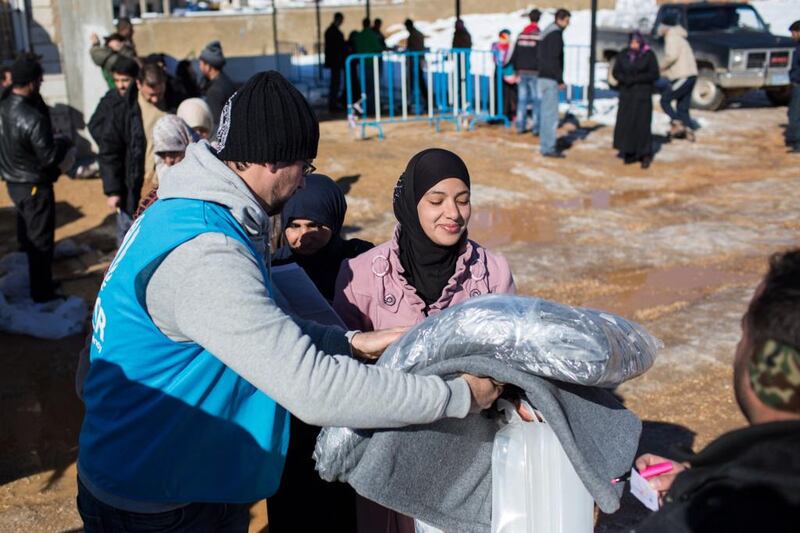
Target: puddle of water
602, 199
669, 289
493, 227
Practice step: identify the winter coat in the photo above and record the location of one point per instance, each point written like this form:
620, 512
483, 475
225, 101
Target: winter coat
636, 79
551, 53
678, 61
416, 40
366, 42
217, 92
101, 113
525, 57
335, 48
462, 39
123, 146
28, 151
746, 480
372, 294
794, 73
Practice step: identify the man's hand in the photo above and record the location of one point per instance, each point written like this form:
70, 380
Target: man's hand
663, 482
94, 39
113, 202
484, 392
370, 345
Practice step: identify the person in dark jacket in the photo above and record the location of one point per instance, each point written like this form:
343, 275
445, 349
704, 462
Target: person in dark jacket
793, 125
749, 478
525, 60
461, 36
29, 159
415, 66
218, 87
126, 156
636, 70
377, 26
312, 222
551, 80
335, 55
124, 73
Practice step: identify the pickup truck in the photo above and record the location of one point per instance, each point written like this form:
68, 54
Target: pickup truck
734, 48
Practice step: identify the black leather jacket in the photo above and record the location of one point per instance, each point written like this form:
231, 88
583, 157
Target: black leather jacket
28, 151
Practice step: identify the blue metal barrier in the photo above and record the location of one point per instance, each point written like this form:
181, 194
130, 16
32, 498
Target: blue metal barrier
461, 86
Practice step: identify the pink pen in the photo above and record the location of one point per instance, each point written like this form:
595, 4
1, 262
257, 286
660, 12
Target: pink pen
651, 471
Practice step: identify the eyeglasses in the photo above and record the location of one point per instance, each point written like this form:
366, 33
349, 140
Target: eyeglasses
308, 168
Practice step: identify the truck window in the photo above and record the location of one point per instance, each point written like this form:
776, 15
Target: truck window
725, 18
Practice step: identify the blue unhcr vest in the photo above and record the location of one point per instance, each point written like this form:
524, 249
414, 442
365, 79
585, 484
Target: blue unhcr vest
167, 421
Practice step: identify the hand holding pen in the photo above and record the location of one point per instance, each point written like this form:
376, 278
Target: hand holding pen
661, 473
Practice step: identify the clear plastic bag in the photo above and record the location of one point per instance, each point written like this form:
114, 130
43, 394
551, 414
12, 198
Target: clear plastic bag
543, 338
535, 488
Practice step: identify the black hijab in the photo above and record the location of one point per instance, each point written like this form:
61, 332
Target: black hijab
427, 266
322, 201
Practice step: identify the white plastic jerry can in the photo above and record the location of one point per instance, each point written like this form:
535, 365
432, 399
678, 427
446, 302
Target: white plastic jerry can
535, 488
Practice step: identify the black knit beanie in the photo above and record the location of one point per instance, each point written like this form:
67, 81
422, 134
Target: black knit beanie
267, 121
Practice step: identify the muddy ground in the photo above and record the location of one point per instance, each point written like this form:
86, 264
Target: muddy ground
678, 247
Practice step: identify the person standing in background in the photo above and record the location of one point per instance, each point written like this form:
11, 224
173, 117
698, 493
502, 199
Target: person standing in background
679, 66
525, 60
551, 81
501, 50
366, 42
793, 125
196, 113
416, 77
335, 55
29, 163
377, 24
218, 87
126, 149
636, 71
123, 73
461, 36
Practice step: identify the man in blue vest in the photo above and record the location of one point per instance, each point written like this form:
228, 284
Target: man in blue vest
193, 365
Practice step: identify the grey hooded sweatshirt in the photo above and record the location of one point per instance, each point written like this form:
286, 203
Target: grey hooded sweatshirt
210, 291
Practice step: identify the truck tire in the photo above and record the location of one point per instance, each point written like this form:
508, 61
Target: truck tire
707, 94
780, 96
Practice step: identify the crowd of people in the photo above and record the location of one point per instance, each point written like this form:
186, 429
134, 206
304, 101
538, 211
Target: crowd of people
195, 375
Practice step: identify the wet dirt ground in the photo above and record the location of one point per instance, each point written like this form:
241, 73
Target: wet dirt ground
678, 247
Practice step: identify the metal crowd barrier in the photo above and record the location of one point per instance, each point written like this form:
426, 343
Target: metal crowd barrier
461, 86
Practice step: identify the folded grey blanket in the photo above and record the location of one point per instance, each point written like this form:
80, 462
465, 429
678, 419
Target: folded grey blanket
441, 473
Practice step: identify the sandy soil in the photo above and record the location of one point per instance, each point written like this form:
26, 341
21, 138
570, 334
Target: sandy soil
678, 247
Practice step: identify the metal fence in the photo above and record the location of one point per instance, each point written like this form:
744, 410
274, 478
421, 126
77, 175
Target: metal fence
460, 86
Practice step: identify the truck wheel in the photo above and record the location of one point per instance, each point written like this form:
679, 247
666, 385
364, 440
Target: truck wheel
780, 95
707, 94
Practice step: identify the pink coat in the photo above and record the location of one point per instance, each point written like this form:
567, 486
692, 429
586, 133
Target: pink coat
372, 294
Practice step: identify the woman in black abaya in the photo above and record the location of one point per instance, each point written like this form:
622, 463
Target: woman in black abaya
636, 71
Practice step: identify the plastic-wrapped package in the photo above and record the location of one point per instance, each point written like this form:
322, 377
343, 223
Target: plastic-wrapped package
534, 485
543, 338
571, 344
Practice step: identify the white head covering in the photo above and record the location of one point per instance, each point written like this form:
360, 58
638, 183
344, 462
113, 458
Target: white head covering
170, 134
197, 114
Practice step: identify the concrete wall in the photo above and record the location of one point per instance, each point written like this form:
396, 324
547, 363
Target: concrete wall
252, 34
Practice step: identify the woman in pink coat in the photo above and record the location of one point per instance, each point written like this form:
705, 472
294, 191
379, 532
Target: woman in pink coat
429, 265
